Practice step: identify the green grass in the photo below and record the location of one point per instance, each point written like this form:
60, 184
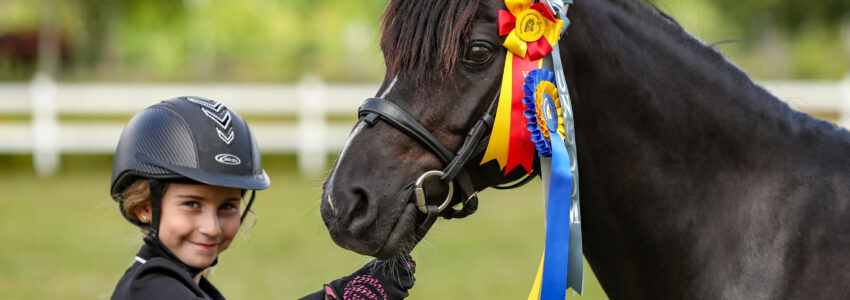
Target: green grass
65, 239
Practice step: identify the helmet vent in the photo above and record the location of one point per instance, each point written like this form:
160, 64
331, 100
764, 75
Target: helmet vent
220, 116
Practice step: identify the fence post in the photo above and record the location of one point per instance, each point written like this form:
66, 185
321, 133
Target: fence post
844, 114
312, 146
45, 151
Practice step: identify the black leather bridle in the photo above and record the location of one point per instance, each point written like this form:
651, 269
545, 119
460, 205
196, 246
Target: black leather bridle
375, 109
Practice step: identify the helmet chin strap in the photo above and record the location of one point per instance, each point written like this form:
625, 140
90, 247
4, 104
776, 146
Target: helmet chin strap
157, 188
248, 207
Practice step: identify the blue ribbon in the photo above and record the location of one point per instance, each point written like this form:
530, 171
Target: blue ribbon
559, 229
563, 259
554, 282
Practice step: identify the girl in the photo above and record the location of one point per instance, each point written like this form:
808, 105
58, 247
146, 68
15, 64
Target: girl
180, 173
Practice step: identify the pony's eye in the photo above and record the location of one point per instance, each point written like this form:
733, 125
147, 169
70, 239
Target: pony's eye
478, 53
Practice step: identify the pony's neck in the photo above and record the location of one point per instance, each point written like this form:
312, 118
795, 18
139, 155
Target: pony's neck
634, 60
656, 97
667, 131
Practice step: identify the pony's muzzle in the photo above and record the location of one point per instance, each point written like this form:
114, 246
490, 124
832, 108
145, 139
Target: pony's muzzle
349, 216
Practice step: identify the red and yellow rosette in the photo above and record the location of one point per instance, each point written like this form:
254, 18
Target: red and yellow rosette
531, 28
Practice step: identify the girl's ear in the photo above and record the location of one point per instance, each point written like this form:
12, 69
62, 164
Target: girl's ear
143, 213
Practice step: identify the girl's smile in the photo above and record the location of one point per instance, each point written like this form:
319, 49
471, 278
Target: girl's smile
204, 246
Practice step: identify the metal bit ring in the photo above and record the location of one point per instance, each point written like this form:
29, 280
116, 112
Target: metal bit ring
420, 192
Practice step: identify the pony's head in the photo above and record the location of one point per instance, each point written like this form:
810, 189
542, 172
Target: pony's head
444, 63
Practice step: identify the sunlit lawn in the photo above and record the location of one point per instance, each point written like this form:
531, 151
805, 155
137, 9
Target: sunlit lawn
63, 238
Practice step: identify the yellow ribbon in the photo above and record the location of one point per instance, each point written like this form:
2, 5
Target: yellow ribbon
497, 148
518, 6
538, 281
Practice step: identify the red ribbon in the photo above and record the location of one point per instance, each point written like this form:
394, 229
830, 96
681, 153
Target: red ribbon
507, 22
520, 147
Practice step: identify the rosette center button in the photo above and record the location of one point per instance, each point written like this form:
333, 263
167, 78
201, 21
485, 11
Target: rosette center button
549, 113
530, 25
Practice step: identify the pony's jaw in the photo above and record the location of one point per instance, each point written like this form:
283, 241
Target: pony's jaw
402, 237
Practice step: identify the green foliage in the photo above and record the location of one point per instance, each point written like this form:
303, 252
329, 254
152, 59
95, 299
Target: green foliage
207, 40
817, 54
772, 39
790, 15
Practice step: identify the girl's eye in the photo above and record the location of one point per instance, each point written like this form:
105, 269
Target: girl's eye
228, 206
192, 204
478, 53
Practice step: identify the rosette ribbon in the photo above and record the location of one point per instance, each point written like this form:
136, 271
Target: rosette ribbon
531, 31
534, 111
546, 125
531, 28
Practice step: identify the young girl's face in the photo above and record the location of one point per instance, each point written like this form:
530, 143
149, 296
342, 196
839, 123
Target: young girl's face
199, 221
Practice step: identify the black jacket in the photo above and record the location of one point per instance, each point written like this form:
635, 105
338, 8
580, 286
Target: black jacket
158, 275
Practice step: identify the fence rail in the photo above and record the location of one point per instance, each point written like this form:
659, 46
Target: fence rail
311, 105
303, 128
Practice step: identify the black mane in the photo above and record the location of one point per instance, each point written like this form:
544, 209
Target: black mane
424, 37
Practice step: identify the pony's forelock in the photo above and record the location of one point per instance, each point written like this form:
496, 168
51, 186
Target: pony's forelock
423, 38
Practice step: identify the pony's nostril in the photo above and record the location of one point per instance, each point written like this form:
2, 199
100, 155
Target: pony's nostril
361, 204
359, 216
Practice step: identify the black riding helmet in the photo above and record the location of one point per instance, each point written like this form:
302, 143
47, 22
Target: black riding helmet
186, 139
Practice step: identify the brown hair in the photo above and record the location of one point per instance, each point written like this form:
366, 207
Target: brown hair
135, 196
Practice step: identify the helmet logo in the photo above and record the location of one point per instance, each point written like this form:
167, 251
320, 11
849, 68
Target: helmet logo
228, 159
220, 116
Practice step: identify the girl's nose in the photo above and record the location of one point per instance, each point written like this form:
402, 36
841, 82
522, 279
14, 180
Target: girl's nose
210, 224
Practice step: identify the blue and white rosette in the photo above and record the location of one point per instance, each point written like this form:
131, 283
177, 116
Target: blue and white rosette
546, 125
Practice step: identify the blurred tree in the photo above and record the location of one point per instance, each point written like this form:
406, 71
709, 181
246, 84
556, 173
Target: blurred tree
773, 38
789, 15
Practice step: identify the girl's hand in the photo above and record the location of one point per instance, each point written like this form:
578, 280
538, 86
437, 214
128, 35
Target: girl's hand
379, 280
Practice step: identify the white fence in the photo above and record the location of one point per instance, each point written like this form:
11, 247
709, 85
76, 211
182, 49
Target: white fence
284, 118
310, 104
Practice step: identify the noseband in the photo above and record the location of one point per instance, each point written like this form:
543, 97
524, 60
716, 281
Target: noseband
454, 174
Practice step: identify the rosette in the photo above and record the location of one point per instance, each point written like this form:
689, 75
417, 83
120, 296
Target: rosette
530, 28
539, 87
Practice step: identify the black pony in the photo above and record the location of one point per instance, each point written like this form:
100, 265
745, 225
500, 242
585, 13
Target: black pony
696, 183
